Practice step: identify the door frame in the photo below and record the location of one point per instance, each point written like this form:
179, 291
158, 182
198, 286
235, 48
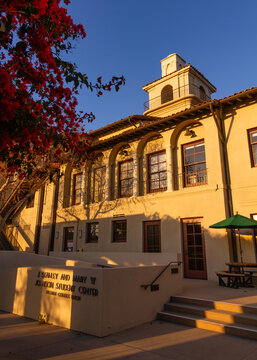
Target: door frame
193, 274
65, 229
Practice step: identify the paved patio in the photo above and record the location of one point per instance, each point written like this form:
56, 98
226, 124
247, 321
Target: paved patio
25, 339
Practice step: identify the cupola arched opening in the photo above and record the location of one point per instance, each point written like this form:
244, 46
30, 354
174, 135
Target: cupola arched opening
202, 93
166, 94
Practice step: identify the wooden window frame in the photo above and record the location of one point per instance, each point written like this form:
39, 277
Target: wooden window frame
146, 246
149, 173
197, 183
249, 132
125, 179
89, 238
114, 229
75, 191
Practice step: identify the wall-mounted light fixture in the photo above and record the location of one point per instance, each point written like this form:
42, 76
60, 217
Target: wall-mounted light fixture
190, 132
124, 152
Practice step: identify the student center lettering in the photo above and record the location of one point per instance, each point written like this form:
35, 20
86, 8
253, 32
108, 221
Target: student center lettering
47, 280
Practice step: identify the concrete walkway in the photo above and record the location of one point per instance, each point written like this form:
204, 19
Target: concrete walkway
24, 339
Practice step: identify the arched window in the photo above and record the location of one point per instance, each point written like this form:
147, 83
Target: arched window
166, 94
202, 93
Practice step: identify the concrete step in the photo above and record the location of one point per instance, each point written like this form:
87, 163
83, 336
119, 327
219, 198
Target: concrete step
213, 314
243, 330
218, 305
219, 316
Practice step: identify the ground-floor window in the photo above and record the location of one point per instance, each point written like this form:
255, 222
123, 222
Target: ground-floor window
68, 239
152, 236
92, 232
119, 231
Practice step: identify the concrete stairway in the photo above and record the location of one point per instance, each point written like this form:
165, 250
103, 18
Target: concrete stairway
218, 316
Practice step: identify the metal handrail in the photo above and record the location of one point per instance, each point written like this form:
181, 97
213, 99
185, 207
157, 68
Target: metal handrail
163, 270
11, 239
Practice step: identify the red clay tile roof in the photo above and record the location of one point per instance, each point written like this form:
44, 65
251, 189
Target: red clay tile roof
173, 119
120, 124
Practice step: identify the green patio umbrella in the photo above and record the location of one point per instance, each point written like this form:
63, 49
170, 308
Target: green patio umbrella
236, 222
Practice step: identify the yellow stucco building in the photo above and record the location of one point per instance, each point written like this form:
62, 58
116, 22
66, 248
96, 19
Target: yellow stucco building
158, 181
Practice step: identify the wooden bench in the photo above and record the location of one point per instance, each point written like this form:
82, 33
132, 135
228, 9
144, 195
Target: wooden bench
234, 280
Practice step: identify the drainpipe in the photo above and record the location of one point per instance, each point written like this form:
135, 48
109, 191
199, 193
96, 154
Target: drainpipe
39, 219
219, 121
55, 205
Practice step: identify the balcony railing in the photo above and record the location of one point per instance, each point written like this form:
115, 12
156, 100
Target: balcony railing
177, 93
179, 182
186, 180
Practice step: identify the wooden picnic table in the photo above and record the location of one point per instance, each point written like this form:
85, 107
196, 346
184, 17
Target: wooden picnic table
243, 268
240, 266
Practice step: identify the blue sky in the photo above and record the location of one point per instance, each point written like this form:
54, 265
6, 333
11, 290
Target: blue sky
130, 38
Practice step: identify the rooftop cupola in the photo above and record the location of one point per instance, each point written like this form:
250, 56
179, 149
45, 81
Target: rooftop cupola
180, 87
172, 63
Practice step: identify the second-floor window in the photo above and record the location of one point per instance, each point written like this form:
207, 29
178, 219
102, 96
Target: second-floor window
77, 189
194, 164
157, 174
253, 146
126, 178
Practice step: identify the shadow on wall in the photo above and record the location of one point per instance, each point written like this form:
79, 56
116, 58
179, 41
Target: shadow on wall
155, 236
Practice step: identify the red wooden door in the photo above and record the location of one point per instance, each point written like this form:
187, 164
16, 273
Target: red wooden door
194, 249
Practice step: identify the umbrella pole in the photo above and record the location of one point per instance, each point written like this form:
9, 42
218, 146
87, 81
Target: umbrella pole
240, 247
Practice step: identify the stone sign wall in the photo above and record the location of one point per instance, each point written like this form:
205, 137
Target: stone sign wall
97, 301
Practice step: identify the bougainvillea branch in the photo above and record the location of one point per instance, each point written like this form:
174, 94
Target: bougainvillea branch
39, 121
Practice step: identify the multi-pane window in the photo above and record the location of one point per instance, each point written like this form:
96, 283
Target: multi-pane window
99, 183
126, 178
77, 189
119, 231
92, 232
157, 174
253, 145
195, 246
152, 236
195, 172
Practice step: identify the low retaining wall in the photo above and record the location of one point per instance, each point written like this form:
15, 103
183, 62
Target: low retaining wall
23, 259
97, 301
120, 258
